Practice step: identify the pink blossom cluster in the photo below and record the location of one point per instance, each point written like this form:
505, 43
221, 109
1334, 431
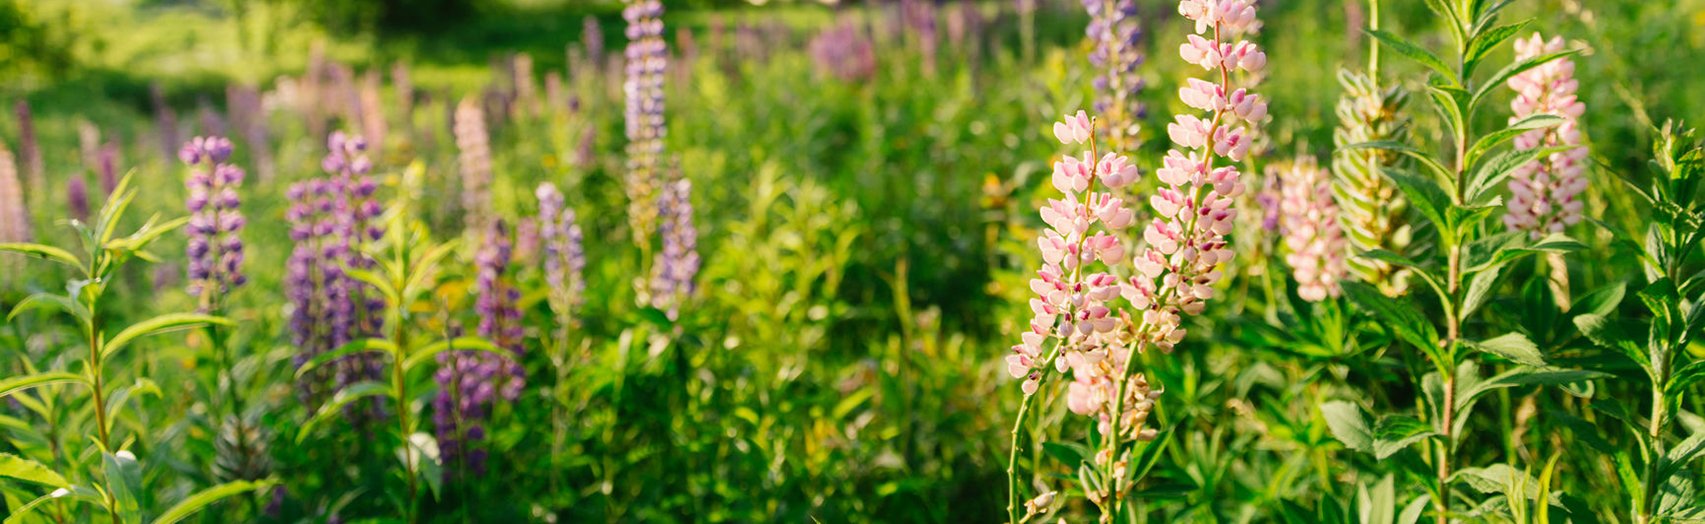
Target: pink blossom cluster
1545, 193
1072, 303
1308, 215
1194, 210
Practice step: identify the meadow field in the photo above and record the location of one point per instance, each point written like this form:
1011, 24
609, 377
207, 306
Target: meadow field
1300, 261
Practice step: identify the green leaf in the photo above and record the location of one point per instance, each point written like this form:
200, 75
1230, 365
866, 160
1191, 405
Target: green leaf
1487, 41
426, 353
334, 408
201, 499
1479, 290
124, 481
1427, 196
1513, 346
1348, 424
161, 324
1150, 455
1498, 79
1602, 301
1680, 455
1414, 52
1497, 138
373, 279
16, 384
1069, 453
1426, 160
24, 469
1687, 376
42, 251
119, 396
50, 300
74, 493
1404, 321
1527, 376
353, 347
1394, 433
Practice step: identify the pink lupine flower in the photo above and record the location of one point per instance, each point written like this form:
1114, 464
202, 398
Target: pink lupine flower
1308, 215
1544, 193
1185, 241
1072, 303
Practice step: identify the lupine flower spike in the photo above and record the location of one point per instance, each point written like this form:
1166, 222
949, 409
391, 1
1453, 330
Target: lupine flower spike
1545, 193
1373, 210
215, 249
565, 257
1309, 219
647, 59
678, 262
1114, 30
470, 381
331, 219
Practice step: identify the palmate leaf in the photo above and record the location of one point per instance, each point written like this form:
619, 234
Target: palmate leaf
1402, 319
161, 324
200, 500
1383, 439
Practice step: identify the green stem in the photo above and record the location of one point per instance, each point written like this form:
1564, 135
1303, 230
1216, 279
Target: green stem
1017, 430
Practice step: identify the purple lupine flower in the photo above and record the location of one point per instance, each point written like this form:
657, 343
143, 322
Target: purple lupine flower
1117, 54
332, 220
29, 149
474, 156
14, 212
107, 162
215, 249
678, 263
844, 52
647, 59
310, 273
565, 256
212, 122
77, 197
592, 40
471, 381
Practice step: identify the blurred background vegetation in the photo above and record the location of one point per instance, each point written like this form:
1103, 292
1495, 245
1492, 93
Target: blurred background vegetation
867, 241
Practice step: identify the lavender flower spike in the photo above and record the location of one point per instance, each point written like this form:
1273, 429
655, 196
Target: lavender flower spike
215, 249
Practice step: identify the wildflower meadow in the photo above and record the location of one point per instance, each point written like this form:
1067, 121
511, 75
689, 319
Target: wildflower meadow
869, 261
